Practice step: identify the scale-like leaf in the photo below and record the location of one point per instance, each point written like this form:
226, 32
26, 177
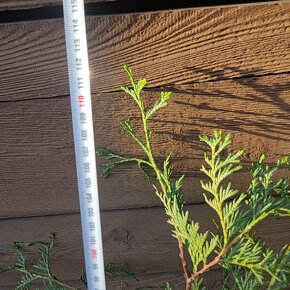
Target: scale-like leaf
122, 270
25, 280
164, 98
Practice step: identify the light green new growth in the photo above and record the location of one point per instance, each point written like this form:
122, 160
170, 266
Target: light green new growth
248, 264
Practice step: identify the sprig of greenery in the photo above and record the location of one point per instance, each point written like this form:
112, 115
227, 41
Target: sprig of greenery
246, 261
122, 270
217, 172
41, 273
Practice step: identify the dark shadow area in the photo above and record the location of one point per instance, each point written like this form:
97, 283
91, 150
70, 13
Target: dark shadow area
114, 7
219, 109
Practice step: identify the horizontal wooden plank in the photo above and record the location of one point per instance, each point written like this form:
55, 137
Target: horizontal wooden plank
147, 249
37, 172
213, 281
30, 4
176, 280
168, 47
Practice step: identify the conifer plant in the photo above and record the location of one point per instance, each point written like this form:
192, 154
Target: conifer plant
40, 276
247, 262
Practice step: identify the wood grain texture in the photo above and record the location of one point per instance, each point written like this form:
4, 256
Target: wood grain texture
212, 281
37, 167
30, 4
192, 50
168, 47
140, 237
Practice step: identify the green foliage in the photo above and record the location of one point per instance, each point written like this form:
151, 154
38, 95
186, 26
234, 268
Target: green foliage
113, 271
40, 272
219, 169
246, 261
83, 278
197, 285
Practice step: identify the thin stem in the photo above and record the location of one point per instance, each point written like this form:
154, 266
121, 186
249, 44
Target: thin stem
66, 285
50, 279
183, 261
205, 268
149, 150
215, 193
133, 159
184, 265
221, 217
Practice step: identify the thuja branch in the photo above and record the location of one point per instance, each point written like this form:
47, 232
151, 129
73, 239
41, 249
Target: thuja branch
145, 114
41, 273
205, 269
49, 280
238, 251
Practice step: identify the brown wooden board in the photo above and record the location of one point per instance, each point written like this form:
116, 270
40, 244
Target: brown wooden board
176, 280
140, 237
30, 4
37, 167
188, 52
168, 47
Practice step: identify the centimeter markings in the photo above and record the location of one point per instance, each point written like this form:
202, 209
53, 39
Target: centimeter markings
80, 92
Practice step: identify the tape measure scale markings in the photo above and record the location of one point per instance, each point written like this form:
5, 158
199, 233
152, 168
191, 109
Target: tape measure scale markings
80, 94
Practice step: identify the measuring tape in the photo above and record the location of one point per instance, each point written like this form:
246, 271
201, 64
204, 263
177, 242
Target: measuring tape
80, 94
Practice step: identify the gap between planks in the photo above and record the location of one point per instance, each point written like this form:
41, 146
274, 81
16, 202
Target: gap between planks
156, 88
140, 237
6, 5
37, 156
174, 47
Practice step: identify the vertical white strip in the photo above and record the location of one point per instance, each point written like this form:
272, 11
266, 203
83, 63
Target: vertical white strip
80, 94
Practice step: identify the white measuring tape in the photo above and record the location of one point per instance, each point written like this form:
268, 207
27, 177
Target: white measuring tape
80, 94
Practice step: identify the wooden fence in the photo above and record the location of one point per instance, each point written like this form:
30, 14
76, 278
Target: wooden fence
228, 68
